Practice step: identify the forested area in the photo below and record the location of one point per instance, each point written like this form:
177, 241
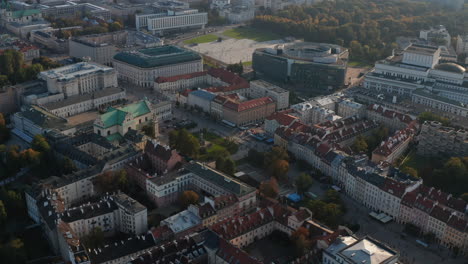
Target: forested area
368, 28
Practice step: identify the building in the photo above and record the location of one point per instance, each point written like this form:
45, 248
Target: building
462, 44
436, 140
165, 189
437, 35
243, 113
64, 228
77, 104
101, 48
78, 79
395, 146
242, 231
116, 122
418, 68
201, 99
22, 16
391, 119
238, 13
312, 66
183, 223
156, 160
58, 9
347, 108
171, 20
29, 51
351, 250
142, 67
218, 81
277, 119
434, 101
47, 39
261, 88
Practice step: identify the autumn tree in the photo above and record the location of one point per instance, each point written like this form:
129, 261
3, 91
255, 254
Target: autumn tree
410, 171
301, 241
279, 169
111, 181
40, 144
3, 213
303, 183
269, 188
4, 131
187, 198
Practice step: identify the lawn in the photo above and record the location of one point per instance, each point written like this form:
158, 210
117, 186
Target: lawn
202, 39
251, 33
415, 161
247, 63
359, 64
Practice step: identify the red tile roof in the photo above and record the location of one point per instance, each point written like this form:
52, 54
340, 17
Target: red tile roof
232, 254
440, 213
394, 187
180, 77
457, 223
388, 146
247, 105
283, 118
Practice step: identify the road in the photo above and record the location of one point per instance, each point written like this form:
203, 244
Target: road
390, 234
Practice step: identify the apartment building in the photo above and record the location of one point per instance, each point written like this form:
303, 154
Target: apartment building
218, 81
393, 147
277, 119
156, 160
142, 67
391, 119
261, 88
242, 113
436, 140
165, 189
241, 231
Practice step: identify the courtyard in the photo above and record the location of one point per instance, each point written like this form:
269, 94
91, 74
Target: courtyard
275, 248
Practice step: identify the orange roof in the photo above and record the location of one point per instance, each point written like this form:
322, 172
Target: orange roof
239, 107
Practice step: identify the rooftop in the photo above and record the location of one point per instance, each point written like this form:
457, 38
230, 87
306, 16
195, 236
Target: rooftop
72, 71
116, 116
157, 56
182, 221
368, 251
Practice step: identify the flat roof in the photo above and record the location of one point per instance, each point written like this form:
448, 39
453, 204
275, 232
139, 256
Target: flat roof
157, 56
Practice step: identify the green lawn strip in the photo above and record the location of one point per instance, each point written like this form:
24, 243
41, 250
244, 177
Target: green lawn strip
251, 33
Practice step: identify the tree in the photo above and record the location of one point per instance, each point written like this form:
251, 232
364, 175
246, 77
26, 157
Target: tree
276, 153
229, 166
236, 68
4, 131
3, 213
219, 163
429, 116
105, 182
94, 239
4, 81
40, 144
115, 26
360, 145
184, 142
187, 198
279, 169
256, 158
269, 188
300, 239
149, 131
410, 171
464, 197
303, 183
68, 166
332, 214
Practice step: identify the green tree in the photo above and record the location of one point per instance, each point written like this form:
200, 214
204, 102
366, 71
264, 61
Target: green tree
303, 182
94, 239
229, 166
464, 197
4, 131
410, 171
4, 81
187, 198
360, 145
40, 144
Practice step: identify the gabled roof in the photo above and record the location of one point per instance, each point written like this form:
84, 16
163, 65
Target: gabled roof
243, 106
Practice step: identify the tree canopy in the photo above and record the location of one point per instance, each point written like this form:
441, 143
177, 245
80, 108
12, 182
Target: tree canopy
368, 27
187, 198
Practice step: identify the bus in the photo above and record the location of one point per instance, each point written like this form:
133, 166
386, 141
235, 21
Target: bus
227, 123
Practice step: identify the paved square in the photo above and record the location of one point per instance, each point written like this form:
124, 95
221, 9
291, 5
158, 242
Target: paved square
232, 50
